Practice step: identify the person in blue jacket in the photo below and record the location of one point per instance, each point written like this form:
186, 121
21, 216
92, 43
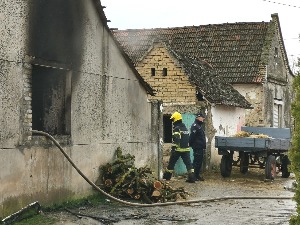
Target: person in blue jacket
197, 141
180, 148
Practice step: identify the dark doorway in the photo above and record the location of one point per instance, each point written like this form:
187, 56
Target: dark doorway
51, 100
167, 129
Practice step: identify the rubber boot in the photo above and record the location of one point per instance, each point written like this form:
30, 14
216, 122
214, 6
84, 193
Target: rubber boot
167, 175
191, 178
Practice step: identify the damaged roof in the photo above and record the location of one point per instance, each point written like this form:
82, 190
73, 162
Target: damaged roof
208, 83
235, 50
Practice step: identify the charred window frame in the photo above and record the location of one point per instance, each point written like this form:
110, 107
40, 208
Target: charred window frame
167, 128
51, 100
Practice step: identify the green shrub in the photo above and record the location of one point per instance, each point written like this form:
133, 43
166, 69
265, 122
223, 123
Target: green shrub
294, 153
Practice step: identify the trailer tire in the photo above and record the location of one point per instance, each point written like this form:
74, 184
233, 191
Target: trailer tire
226, 165
284, 166
270, 168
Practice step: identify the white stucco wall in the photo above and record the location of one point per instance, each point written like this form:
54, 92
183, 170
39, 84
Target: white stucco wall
226, 122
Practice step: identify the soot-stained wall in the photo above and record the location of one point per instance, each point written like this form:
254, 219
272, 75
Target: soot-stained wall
66, 75
56, 31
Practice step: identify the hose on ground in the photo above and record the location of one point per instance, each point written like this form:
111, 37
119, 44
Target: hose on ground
153, 204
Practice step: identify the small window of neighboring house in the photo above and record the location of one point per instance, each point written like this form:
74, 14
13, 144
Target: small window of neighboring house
165, 71
167, 129
277, 113
276, 53
152, 72
199, 96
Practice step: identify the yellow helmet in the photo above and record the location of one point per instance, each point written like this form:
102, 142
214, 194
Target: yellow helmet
176, 116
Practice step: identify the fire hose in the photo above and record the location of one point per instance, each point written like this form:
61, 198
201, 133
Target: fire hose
152, 204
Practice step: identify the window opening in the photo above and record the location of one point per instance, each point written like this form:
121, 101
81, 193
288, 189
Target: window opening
277, 115
165, 71
167, 127
152, 71
51, 100
276, 52
199, 96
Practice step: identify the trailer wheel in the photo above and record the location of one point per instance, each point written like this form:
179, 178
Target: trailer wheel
226, 165
270, 168
244, 162
284, 166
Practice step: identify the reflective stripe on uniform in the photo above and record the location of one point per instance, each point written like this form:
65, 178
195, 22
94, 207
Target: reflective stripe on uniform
191, 171
182, 149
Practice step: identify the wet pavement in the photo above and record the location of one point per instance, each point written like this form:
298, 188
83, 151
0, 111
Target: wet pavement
219, 212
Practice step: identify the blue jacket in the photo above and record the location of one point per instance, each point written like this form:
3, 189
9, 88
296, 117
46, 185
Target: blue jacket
197, 135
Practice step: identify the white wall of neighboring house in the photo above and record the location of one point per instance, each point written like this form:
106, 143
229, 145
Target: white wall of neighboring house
254, 93
226, 121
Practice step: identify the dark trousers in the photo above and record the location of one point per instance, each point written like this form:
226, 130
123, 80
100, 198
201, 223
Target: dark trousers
198, 160
186, 158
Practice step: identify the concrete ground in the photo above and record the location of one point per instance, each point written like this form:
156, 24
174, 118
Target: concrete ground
219, 212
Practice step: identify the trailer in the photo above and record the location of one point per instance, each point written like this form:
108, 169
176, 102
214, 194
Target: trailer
269, 152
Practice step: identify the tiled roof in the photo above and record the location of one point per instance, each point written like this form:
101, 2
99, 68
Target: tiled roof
210, 85
235, 50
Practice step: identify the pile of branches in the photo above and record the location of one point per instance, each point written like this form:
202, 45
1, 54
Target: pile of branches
122, 180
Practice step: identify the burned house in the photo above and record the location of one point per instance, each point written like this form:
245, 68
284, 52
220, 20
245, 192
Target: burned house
62, 72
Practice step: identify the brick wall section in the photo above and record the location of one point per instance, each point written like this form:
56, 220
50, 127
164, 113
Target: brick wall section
173, 88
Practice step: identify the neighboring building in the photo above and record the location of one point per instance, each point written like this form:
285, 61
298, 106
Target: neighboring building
250, 56
189, 86
62, 72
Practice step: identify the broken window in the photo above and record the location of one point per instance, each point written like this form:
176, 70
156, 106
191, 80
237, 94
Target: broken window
51, 100
167, 127
152, 71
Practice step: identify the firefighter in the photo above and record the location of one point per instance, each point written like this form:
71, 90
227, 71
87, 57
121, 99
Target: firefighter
180, 148
198, 143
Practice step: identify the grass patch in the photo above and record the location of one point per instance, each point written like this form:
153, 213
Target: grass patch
44, 218
38, 219
90, 201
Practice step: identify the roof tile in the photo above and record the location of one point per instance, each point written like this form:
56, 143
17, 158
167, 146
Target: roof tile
233, 49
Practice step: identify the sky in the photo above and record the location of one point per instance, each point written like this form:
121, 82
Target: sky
138, 14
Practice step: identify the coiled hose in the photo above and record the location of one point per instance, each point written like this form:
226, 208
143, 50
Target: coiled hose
153, 204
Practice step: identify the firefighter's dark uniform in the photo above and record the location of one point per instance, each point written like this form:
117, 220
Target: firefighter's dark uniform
198, 143
180, 149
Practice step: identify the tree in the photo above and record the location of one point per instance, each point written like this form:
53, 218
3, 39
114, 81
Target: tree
294, 153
